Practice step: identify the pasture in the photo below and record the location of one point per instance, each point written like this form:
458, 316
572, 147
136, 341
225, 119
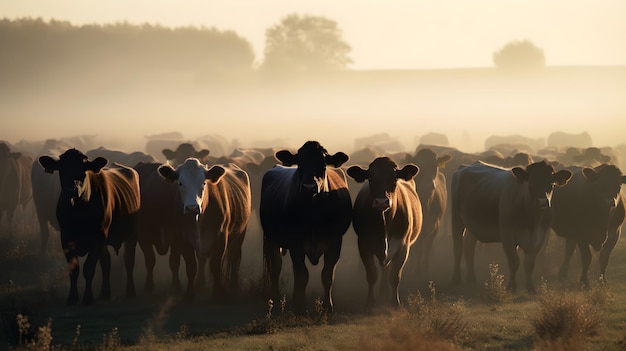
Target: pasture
441, 316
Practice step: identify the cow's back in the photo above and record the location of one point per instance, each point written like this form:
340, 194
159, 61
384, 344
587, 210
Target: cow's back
229, 202
476, 193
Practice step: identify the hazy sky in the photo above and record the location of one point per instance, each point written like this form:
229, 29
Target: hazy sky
389, 34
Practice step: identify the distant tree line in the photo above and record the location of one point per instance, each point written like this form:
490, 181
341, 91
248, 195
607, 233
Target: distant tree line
31, 48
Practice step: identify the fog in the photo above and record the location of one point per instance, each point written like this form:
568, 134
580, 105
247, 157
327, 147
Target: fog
467, 105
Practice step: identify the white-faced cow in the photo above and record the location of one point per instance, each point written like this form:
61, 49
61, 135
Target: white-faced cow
215, 207
162, 225
432, 191
97, 206
15, 182
511, 206
589, 211
387, 218
306, 210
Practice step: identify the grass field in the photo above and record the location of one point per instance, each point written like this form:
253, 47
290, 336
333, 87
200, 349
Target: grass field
33, 287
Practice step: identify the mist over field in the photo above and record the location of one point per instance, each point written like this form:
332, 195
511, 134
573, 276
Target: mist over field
121, 83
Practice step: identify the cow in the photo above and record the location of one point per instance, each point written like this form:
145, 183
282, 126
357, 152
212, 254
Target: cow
430, 184
563, 139
160, 220
387, 218
184, 151
510, 206
589, 211
97, 207
118, 156
214, 204
306, 210
15, 182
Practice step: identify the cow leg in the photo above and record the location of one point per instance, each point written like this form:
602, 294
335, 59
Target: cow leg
585, 260
74, 271
469, 247
331, 257
529, 267
273, 266
150, 260
235, 242
395, 274
570, 246
130, 246
191, 268
44, 234
512, 258
174, 261
215, 265
105, 266
608, 246
371, 273
457, 240
300, 280
89, 270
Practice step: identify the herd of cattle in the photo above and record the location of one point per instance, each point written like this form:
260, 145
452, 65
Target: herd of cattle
198, 206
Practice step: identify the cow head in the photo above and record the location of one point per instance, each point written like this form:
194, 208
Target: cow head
541, 180
183, 152
607, 180
383, 174
429, 164
312, 160
73, 166
192, 177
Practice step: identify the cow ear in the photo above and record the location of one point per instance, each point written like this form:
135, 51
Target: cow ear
215, 173
590, 174
337, 159
407, 172
441, 161
168, 173
200, 155
49, 164
287, 158
97, 164
357, 173
520, 174
562, 177
169, 154
623, 179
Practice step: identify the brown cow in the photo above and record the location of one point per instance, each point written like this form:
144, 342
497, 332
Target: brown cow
387, 217
511, 206
432, 191
589, 211
15, 182
97, 206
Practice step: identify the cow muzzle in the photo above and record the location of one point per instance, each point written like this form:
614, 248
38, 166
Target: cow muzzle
192, 209
381, 203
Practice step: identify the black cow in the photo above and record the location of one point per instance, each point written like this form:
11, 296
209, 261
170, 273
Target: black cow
97, 206
305, 210
511, 206
387, 219
589, 211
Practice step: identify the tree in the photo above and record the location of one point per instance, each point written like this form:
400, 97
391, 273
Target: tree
305, 44
519, 55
